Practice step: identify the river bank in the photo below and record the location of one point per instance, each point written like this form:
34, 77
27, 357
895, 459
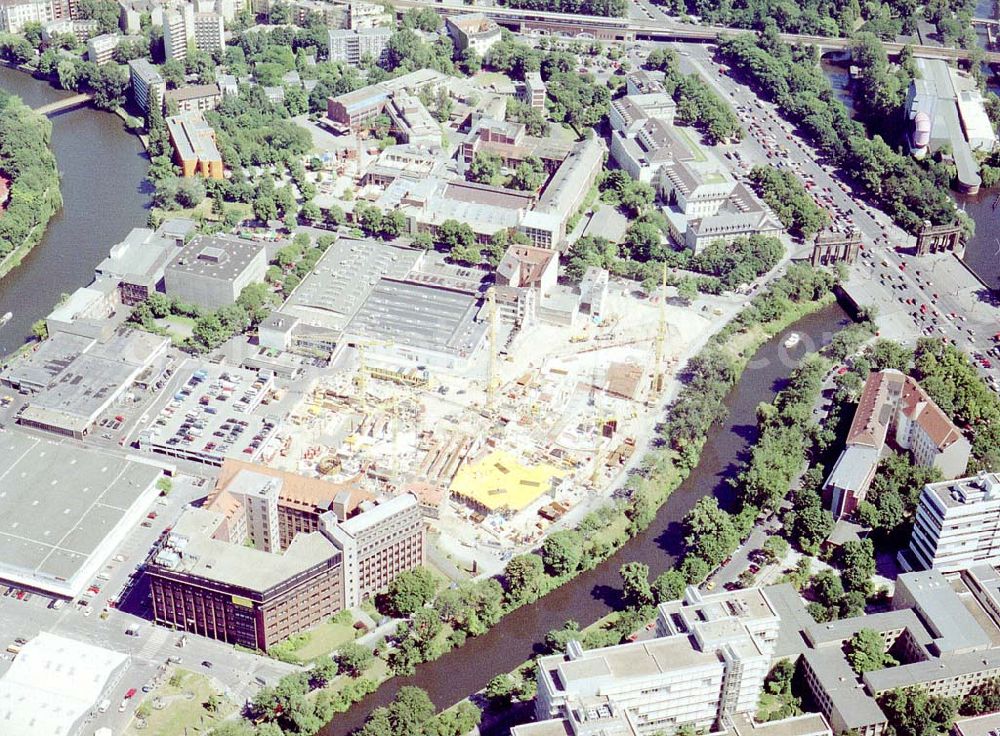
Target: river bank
29, 165
103, 168
594, 593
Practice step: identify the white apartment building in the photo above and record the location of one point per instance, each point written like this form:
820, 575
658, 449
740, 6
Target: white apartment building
208, 31
146, 83
366, 15
957, 525
473, 31
351, 46
709, 660
14, 14
176, 28
101, 48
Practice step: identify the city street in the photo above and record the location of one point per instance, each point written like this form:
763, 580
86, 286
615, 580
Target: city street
935, 295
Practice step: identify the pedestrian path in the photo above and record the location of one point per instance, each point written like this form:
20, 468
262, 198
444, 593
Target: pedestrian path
153, 643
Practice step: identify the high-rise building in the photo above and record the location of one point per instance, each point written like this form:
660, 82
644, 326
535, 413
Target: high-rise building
378, 545
177, 29
147, 83
208, 31
352, 46
957, 525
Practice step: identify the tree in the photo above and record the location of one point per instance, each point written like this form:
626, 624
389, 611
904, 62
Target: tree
172, 72
914, 712
710, 533
353, 659
40, 329
866, 652
775, 548
562, 552
410, 591
636, 591
687, 290
264, 208
668, 586
410, 710
500, 690
523, 575
485, 168
983, 698
857, 560
558, 639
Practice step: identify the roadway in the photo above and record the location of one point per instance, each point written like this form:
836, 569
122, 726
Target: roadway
662, 28
956, 306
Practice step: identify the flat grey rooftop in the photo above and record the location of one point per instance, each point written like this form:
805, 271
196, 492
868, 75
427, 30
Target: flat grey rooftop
421, 316
215, 257
847, 695
943, 668
239, 565
951, 624
58, 502
342, 279
52, 357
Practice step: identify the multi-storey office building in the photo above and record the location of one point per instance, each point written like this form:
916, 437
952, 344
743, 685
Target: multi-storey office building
957, 524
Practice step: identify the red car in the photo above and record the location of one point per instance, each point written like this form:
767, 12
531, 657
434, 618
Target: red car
130, 693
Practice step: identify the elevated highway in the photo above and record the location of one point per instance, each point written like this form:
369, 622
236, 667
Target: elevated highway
625, 29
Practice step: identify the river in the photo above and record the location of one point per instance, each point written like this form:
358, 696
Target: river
103, 168
594, 593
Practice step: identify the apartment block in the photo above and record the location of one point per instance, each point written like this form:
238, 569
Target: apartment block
146, 83
473, 31
354, 110
208, 31
176, 32
194, 145
534, 90
15, 13
707, 662
195, 98
378, 545
351, 46
957, 525
100, 49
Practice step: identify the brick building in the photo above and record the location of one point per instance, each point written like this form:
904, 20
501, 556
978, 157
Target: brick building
273, 553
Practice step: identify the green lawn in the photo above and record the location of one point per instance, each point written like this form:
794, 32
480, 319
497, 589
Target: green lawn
182, 716
485, 79
324, 639
177, 325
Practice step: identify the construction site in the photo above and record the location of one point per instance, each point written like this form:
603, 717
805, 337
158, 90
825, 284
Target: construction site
544, 419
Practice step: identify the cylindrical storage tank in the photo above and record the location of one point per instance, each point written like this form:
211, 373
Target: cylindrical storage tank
921, 130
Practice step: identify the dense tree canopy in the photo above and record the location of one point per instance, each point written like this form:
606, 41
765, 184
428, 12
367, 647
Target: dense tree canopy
28, 163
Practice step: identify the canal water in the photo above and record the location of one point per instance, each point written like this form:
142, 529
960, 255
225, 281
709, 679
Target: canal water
595, 593
103, 169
